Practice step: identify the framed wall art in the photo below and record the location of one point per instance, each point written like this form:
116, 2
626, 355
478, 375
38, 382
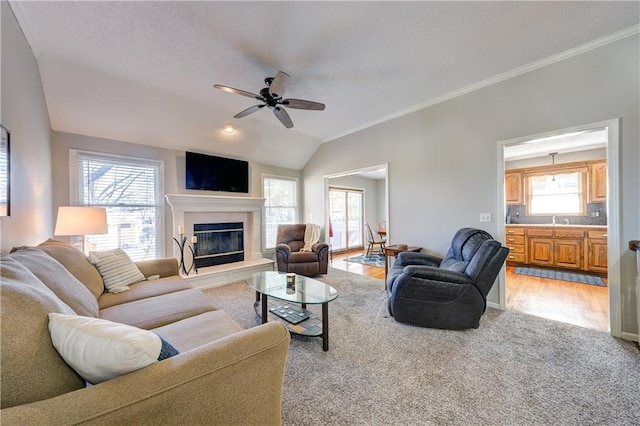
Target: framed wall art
5, 173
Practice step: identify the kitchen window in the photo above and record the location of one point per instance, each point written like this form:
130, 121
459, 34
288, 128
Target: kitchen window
557, 194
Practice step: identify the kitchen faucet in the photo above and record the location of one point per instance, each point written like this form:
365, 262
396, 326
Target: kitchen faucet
553, 220
566, 221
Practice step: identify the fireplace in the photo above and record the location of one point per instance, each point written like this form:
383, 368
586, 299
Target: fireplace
188, 210
218, 243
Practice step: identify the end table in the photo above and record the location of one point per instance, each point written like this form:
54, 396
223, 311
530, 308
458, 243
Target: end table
392, 251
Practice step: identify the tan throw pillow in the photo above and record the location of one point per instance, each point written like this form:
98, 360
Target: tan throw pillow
59, 280
76, 262
116, 268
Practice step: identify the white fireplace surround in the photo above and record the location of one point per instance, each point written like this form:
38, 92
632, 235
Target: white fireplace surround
189, 209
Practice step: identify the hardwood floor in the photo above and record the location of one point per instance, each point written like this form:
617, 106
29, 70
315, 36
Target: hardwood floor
573, 303
579, 304
356, 268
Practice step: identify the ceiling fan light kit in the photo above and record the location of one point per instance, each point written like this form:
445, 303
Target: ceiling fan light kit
271, 97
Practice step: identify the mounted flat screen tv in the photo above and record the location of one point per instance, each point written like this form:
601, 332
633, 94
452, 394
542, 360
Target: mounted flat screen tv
210, 173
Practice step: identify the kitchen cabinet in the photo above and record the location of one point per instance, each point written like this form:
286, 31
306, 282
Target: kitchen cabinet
563, 247
513, 188
541, 251
598, 182
556, 247
596, 251
515, 243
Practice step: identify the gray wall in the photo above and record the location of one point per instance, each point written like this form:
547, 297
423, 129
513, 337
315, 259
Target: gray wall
24, 113
443, 159
174, 169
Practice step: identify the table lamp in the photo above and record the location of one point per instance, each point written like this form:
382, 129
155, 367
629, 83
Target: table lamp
81, 221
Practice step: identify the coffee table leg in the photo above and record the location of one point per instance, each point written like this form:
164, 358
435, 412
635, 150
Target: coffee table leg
325, 326
264, 309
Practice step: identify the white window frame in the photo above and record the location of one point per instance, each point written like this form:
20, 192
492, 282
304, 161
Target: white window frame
159, 195
581, 192
296, 207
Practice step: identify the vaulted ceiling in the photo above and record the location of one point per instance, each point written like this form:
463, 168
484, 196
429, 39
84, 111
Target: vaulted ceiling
144, 71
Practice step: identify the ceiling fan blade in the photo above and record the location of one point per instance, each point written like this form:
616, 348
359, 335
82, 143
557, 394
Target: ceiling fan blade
249, 110
238, 91
279, 84
283, 117
302, 104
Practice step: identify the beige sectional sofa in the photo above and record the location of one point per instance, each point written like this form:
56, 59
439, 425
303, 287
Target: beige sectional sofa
223, 374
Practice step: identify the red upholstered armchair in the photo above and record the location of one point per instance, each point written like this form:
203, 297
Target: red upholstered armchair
290, 258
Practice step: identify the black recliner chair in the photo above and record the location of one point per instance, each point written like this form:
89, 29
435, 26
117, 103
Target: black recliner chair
448, 292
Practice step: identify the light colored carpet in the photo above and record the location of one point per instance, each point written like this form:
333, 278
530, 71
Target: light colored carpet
515, 369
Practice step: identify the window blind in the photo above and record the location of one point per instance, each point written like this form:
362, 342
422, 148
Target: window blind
130, 191
280, 205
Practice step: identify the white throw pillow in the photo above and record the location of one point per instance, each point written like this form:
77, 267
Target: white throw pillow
116, 268
100, 350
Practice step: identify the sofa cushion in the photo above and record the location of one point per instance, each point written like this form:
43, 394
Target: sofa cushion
59, 280
100, 350
143, 290
199, 330
76, 262
159, 310
32, 369
116, 268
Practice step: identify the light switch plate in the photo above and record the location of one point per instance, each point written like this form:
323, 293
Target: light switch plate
485, 217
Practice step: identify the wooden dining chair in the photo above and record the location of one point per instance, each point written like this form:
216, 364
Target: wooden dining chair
373, 241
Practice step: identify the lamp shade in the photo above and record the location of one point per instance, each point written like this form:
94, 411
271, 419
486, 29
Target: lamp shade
81, 221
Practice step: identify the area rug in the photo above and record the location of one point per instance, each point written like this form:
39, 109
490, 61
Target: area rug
561, 275
515, 369
373, 260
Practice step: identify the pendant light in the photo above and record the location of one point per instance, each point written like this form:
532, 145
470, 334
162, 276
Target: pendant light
553, 163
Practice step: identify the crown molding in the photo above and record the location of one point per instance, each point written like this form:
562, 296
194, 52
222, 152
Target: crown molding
602, 41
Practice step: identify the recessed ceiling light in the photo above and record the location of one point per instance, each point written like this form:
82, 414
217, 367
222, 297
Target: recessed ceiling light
229, 128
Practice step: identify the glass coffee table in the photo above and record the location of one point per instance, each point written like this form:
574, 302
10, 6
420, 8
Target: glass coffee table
289, 304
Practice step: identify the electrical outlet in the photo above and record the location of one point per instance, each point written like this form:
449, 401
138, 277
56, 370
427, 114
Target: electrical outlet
485, 217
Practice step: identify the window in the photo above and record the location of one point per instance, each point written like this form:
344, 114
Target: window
280, 205
130, 189
556, 194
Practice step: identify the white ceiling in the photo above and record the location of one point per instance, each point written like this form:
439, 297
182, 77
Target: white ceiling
560, 144
143, 71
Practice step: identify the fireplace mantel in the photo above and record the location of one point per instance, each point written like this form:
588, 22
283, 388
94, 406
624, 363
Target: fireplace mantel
213, 203
250, 207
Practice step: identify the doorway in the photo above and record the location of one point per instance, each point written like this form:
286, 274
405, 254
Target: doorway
372, 183
346, 212
585, 305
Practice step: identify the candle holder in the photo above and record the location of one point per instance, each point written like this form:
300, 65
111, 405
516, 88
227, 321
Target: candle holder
180, 244
193, 261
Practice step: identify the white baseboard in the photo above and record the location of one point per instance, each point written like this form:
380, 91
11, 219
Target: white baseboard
217, 276
629, 336
493, 305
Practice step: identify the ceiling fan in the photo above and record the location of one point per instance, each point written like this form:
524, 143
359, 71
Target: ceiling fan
271, 96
